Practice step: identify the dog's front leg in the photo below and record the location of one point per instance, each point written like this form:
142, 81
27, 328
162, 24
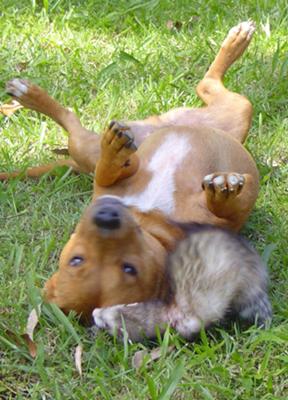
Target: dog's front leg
118, 159
230, 196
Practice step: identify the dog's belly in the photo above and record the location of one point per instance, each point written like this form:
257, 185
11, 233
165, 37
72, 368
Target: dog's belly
173, 162
162, 167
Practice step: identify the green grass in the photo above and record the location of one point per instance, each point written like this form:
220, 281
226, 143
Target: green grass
118, 59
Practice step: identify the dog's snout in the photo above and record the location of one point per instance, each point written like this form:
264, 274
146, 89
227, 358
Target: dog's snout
110, 213
107, 217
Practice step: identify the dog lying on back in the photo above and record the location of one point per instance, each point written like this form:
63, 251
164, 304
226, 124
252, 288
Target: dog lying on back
213, 274
186, 165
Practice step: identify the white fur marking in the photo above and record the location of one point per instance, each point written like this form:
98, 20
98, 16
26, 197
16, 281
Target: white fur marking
219, 180
105, 318
233, 180
20, 88
16, 93
246, 26
159, 193
208, 178
189, 326
99, 323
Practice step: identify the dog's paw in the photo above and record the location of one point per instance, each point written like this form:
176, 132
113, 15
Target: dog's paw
117, 160
241, 32
239, 36
118, 139
223, 185
117, 149
17, 87
237, 40
109, 319
29, 95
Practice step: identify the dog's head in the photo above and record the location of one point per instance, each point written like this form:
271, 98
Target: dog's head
110, 259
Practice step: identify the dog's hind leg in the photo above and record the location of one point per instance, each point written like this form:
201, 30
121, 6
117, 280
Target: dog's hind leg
229, 111
36, 172
83, 145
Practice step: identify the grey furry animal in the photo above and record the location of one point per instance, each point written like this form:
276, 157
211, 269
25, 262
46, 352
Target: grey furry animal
212, 274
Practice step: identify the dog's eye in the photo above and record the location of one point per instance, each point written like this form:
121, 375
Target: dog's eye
129, 269
76, 261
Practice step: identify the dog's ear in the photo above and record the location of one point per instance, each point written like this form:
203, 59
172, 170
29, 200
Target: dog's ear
168, 235
165, 231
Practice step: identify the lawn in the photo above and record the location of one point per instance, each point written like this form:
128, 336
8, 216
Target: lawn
128, 59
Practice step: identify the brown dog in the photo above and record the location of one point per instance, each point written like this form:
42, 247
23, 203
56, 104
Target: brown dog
190, 166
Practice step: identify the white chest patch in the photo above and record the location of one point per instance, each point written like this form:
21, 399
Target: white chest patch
159, 193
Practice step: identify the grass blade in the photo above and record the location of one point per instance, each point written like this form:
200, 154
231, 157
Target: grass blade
172, 382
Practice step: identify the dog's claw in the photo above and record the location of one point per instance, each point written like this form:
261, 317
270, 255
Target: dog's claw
112, 123
129, 144
120, 137
117, 146
116, 127
227, 184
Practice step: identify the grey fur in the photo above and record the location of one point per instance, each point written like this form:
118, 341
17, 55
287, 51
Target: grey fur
213, 274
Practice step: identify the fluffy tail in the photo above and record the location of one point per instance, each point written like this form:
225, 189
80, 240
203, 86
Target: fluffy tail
256, 310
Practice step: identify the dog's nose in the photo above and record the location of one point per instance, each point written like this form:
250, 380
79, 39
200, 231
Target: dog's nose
107, 217
107, 213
